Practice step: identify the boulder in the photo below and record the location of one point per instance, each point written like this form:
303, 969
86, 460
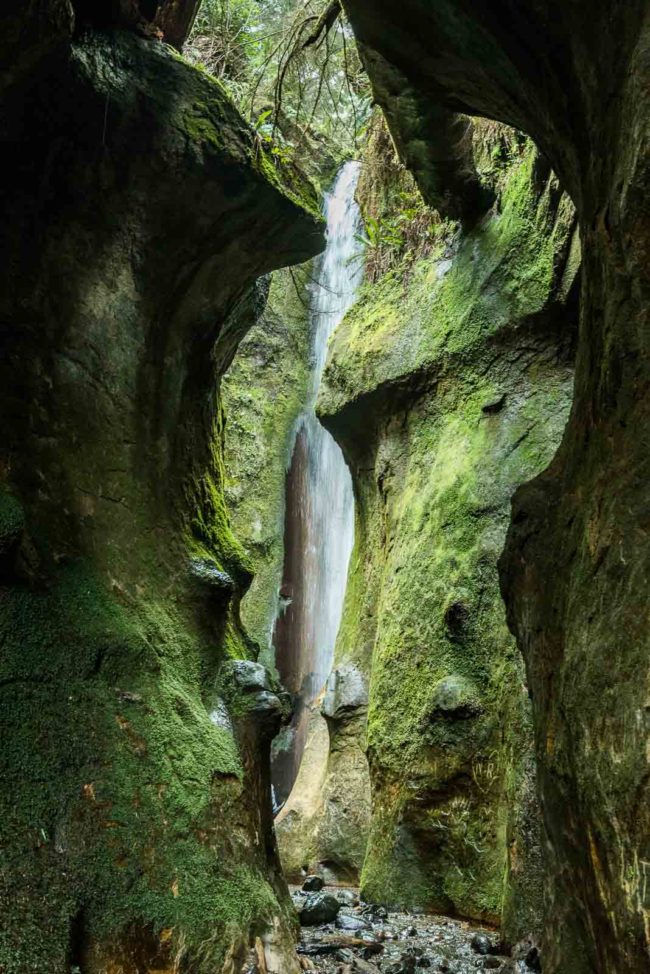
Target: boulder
319, 908
313, 884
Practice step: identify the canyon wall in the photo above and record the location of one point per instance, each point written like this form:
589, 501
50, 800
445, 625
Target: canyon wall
576, 564
138, 212
448, 385
264, 392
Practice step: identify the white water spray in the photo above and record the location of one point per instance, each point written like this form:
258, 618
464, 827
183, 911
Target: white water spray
331, 502
323, 503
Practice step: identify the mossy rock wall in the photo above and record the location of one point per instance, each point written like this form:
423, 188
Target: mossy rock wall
449, 384
264, 392
135, 820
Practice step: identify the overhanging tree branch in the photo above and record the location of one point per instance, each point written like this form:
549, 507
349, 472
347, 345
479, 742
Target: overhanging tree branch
324, 25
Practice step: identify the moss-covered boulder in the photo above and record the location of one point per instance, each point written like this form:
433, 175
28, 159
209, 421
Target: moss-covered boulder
448, 384
138, 211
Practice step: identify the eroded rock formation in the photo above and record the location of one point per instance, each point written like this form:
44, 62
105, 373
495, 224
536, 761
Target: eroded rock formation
448, 385
138, 211
575, 77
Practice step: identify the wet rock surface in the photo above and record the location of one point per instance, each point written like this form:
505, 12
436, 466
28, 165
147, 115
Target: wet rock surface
317, 908
370, 939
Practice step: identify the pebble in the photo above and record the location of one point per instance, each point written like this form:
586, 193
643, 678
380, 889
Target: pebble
347, 897
366, 939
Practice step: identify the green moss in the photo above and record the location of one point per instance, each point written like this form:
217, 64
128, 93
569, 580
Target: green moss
446, 389
284, 175
210, 526
200, 127
264, 392
500, 274
118, 736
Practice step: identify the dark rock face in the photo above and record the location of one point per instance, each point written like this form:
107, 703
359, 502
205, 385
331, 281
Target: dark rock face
575, 569
31, 31
442, 163
137, 214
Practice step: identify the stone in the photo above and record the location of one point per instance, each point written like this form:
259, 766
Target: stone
529, 953
454, 697
574, 526
347, 897
345, 921
373, 949
319, 908
533, 959
208, 572
346, 691
492, 964
122, 305
482, 944
435, 750
345, 955
248, 676
313, 884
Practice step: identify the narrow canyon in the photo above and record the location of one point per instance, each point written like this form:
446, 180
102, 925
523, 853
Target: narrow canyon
324, 351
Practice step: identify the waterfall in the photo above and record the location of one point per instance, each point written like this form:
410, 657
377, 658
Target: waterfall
319, 521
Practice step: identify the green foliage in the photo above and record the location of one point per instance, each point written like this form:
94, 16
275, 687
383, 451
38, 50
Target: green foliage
400, 228
223, 39
305, 92
383, 233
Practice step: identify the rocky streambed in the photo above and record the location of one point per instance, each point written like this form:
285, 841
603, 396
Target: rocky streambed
342, 935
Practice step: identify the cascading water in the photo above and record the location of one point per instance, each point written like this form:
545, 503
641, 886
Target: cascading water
319, 520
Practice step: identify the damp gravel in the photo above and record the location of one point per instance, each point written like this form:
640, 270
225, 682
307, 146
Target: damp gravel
370, 940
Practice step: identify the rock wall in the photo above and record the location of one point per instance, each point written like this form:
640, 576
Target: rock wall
576, 565
138, 211
448, 385
264, 391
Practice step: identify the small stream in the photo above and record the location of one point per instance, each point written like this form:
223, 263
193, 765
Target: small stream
319, 519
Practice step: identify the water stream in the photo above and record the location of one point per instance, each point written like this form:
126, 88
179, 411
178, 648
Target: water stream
319, 520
